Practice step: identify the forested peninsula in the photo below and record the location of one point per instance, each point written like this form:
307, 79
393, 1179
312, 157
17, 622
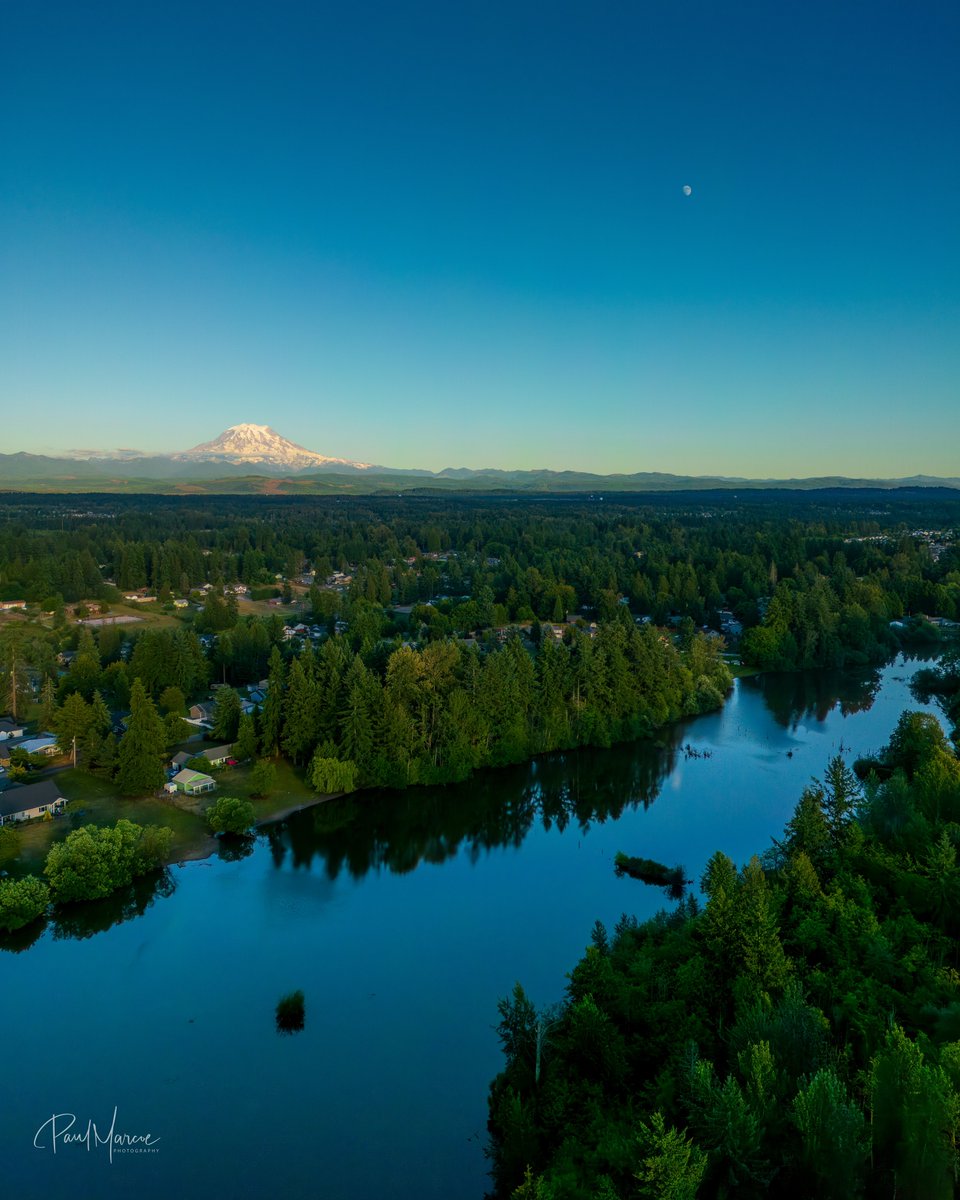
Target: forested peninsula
792, 1026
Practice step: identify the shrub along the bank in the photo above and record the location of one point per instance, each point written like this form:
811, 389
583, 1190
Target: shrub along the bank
92, 862
229, 814
22, 901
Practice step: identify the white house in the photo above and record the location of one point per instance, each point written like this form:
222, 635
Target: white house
22, 802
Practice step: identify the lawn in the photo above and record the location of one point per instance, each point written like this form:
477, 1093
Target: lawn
739, 671
291, 791
94, 801
150, 614
263, 608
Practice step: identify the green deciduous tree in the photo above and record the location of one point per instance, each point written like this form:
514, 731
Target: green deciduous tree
172, 700
229, 814
914, 741
92, 862
331, 775
22, 901
175, 729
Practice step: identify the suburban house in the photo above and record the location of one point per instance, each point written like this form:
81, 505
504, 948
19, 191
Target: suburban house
218, 755
180, 760
10, 729
202, 715
23, 801
9, 605
44, 744
729, 624
193, 783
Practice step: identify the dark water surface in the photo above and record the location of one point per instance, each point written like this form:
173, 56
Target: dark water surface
403, 918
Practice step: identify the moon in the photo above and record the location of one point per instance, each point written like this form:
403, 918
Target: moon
687, 189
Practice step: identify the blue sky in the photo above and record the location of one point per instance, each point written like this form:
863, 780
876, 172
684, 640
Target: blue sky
455, 234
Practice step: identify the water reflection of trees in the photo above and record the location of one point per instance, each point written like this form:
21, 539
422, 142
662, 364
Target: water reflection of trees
97, 916
233, 849
397, 831
22, 939
811, 695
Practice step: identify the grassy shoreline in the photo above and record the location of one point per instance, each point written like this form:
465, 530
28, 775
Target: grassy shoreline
94, 801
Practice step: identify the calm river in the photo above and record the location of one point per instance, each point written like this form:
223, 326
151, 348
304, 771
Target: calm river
403, 917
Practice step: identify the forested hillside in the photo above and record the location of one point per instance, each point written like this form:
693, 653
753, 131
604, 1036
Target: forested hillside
405, 642
791, 1028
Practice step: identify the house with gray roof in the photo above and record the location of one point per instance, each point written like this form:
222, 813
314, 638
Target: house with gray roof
217, 755
25, 801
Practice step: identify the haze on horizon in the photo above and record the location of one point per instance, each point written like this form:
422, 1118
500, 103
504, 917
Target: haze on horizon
457, 235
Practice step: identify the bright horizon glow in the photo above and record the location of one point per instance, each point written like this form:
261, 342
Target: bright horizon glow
444, 237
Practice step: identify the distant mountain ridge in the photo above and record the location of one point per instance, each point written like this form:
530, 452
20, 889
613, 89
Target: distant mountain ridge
248, 458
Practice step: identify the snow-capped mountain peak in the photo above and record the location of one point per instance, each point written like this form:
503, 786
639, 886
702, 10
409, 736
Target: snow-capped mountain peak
260, 444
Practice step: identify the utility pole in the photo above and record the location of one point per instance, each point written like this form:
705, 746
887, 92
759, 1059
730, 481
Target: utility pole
74, 751
13, 680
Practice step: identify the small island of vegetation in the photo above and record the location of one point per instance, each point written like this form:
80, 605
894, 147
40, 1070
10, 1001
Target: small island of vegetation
647, 870
291, 1013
